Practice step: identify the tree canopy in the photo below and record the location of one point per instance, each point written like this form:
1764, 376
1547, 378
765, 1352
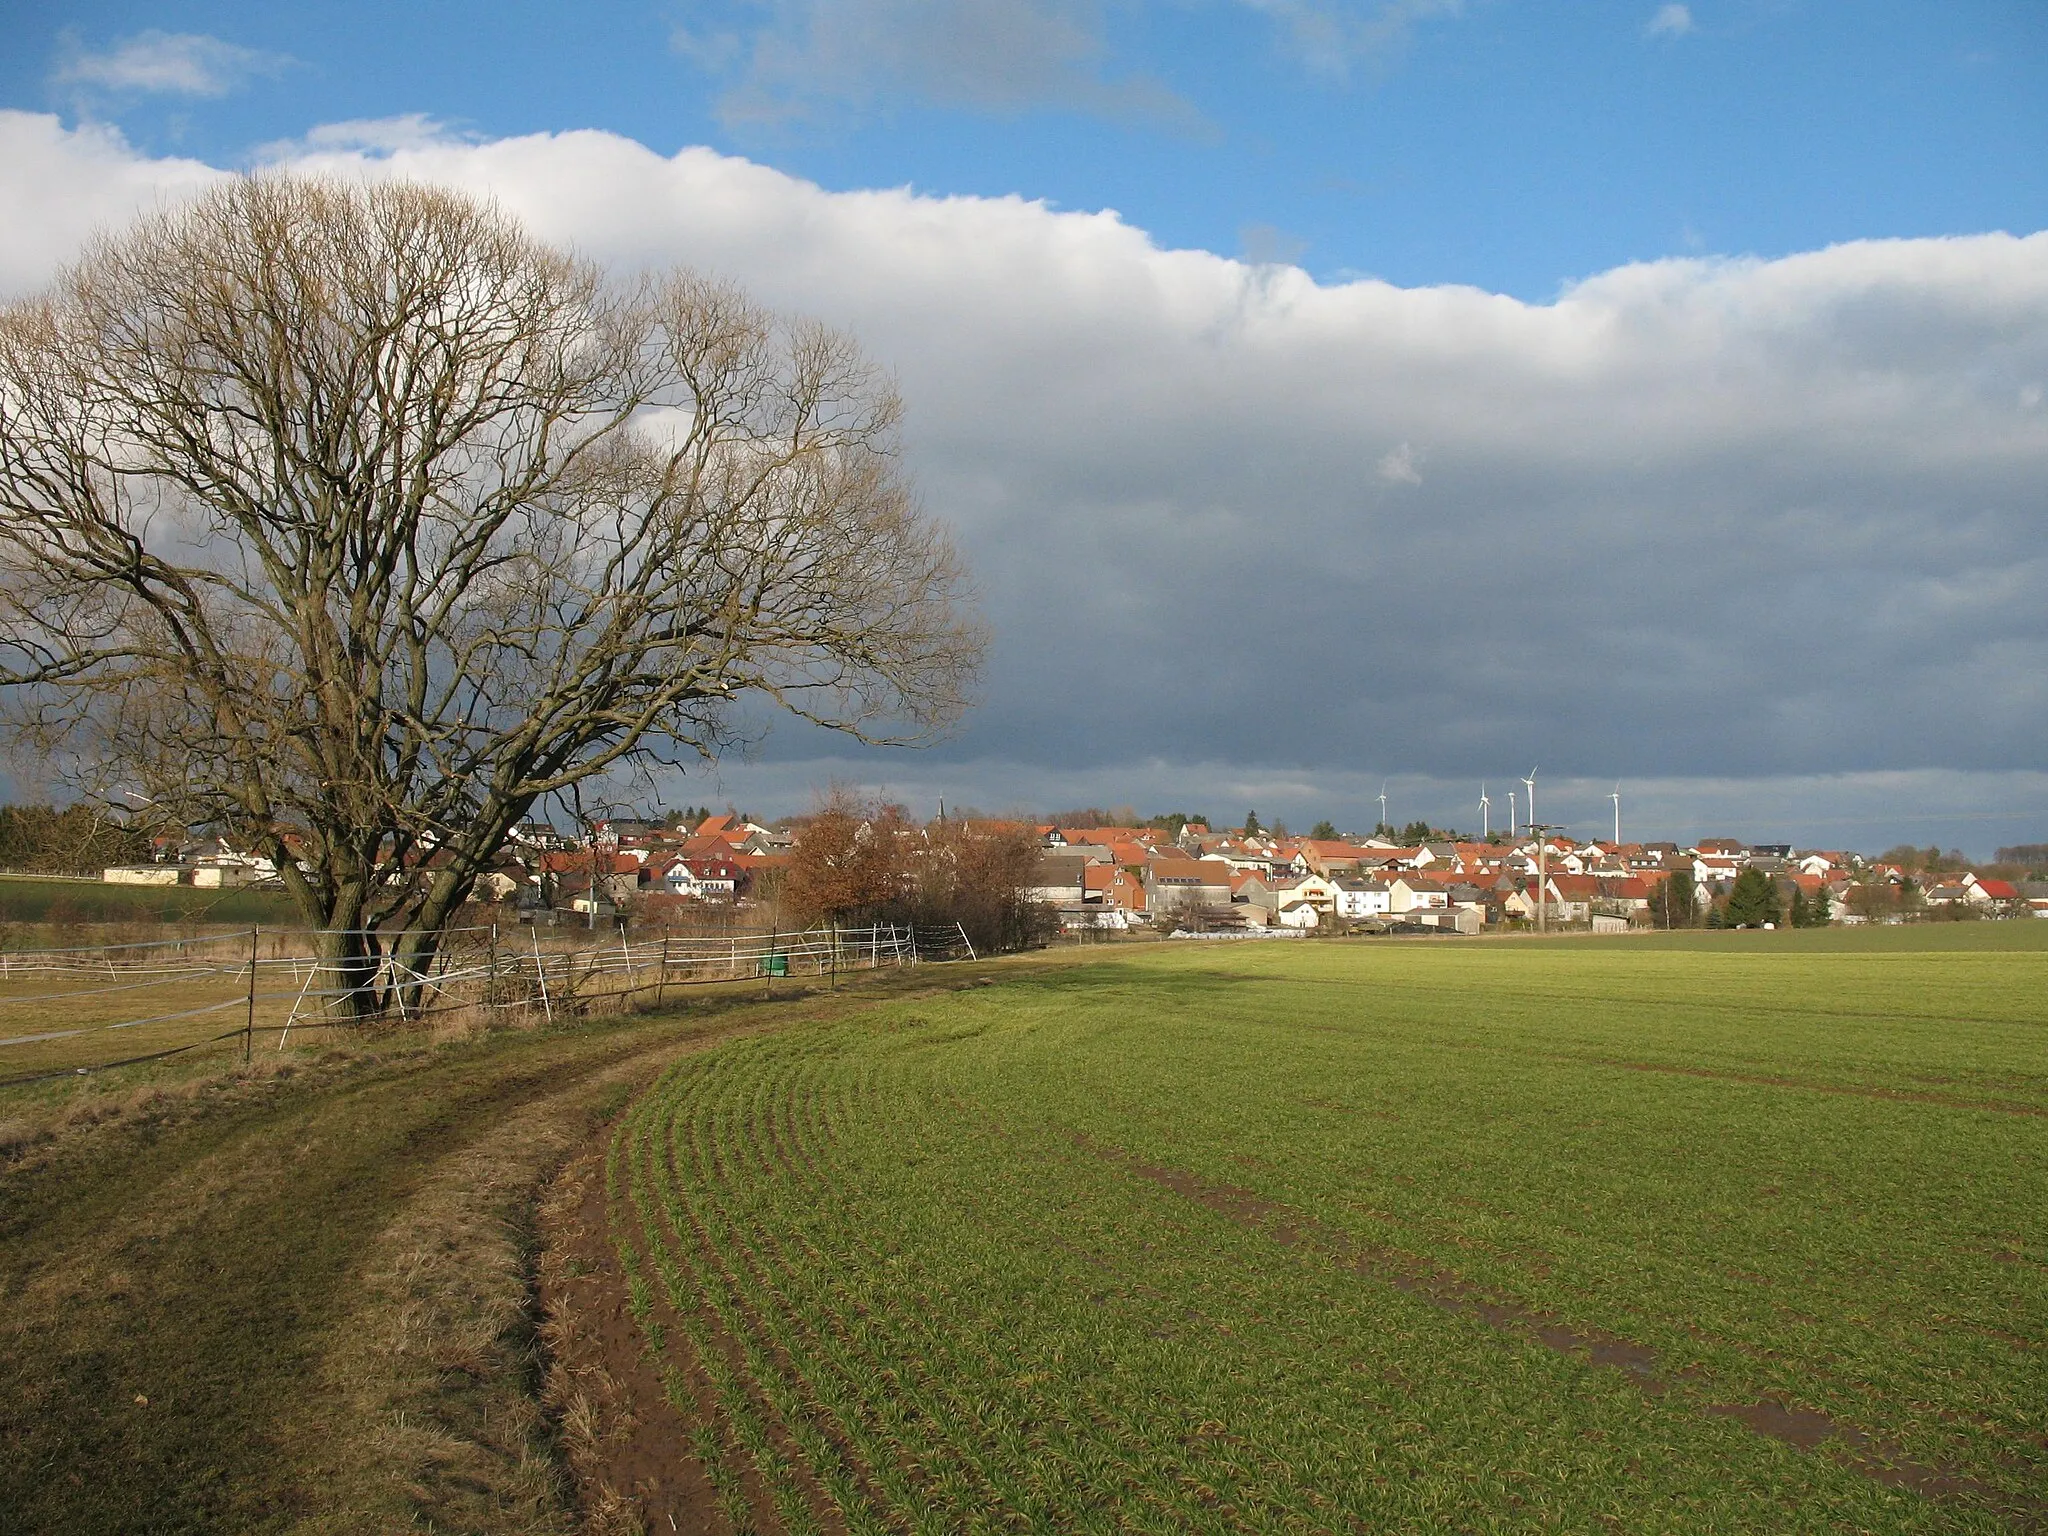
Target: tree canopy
352, 521
1752, 900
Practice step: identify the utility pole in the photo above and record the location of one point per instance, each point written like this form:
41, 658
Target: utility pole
1543, 829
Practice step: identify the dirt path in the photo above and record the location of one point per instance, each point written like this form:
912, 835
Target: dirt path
306, 1303
307, 1308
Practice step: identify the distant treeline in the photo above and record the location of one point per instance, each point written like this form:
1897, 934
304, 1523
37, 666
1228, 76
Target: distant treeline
2032, 855
78, 840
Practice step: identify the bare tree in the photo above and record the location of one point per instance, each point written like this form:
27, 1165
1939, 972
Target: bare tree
352, 521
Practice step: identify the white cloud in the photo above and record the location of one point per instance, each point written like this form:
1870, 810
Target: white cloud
818, 59
1397, 467
368, 135
58, 185
1733, 522
1670, 21
1329, 36
804, 61
164, 63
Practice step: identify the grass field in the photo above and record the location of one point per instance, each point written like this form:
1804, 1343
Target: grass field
1701, 1233
35, 899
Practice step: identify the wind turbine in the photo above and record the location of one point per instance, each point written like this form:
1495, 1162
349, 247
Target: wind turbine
1616, 798
1383, 804
1512, 823
1531, 782
1485, 814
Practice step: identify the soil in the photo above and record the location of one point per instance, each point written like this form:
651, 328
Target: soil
631, 1448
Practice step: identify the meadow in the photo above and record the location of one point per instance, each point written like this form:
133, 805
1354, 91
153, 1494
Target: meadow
1700, 1233
31, 901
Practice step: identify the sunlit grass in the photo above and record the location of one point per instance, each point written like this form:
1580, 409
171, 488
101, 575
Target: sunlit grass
1807, 1172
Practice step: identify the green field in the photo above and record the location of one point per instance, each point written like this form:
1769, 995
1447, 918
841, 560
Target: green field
1706, 1233
37, 899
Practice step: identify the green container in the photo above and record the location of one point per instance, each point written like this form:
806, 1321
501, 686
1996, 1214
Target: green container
776, 964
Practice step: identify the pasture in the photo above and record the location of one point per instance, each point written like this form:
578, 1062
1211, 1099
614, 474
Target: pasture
1705, 1233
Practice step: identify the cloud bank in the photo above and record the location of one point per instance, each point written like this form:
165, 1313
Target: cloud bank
1694, 522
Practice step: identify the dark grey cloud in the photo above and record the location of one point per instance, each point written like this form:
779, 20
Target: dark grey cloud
1699, 524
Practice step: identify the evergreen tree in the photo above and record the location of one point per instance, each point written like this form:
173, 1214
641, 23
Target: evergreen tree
1417, 832
1251, 824
1799, 915
1752, 900
1823, 910
1679, 900
1323, 831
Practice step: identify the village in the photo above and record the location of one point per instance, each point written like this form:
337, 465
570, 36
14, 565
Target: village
1176, 876
1201, 880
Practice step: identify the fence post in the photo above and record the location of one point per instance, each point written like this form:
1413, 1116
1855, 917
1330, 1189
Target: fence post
768, 965
835, 955
540, 973
249, 1020
491, 975
661, 981
967, 941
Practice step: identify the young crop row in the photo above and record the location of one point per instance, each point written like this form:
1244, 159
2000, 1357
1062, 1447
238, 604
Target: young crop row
895, 1285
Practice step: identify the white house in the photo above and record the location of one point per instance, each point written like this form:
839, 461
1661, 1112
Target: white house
702, 879
1317, 891
1363, 898
1410, 893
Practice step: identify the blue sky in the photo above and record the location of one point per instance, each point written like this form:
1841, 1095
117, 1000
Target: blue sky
1505, 143
1722, 476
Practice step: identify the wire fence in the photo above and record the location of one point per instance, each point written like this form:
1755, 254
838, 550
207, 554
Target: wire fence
74, 1011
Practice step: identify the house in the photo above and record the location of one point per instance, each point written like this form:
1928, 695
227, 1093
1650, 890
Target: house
1119, 887
1298, 914
702, 879
1360, 898
1317, 890
1059, 877
1253, 888
1331, 856
1985, 892
1573, 897
1410, 892
1711, 870
1172, 884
